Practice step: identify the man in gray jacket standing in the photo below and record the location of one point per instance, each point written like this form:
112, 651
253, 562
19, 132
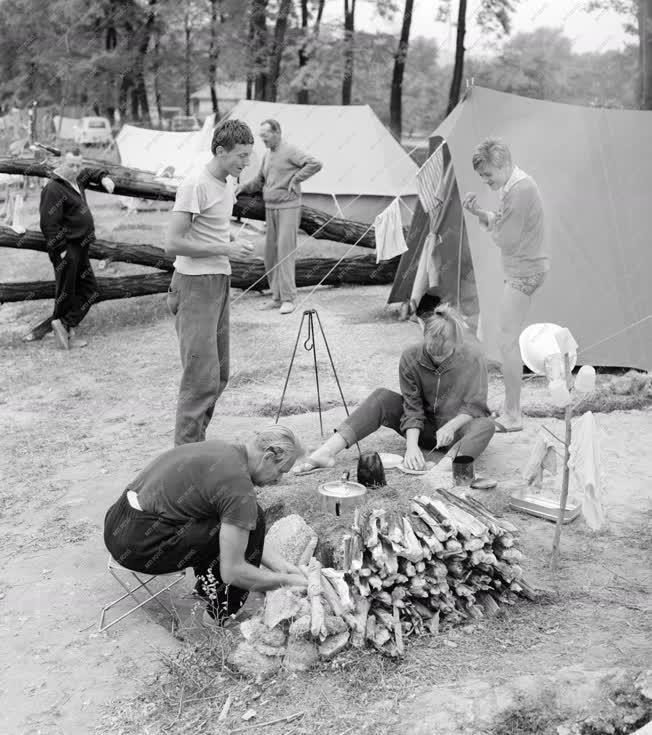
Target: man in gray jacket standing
283, 169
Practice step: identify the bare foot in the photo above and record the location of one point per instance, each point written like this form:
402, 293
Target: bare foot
506, 424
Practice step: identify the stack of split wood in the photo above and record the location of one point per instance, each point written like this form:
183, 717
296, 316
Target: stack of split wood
448, 561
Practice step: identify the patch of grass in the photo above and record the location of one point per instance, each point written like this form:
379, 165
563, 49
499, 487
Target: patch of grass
293, 408
528, 718
601, 401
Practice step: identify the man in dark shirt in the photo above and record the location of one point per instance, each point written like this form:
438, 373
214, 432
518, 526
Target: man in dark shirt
68, 227
195, 506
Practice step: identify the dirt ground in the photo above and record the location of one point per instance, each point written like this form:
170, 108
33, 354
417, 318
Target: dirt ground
79, 425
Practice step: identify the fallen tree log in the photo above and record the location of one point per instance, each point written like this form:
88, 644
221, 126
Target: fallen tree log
135, 183
123, 252
309, 272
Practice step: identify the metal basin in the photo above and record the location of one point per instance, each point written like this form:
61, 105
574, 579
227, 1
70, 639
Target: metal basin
341, 496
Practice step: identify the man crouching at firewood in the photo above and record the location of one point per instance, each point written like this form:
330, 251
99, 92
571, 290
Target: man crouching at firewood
443, 399
195, 506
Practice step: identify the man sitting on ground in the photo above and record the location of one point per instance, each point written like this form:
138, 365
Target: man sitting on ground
195, 506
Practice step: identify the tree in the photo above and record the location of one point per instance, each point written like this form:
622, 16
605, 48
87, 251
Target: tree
638, 22
306, 48
349, 45
396, 96
276, 52
492, 16
213, 53
258, 48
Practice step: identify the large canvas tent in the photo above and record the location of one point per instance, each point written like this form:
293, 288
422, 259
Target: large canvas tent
594, 170
158, 150
365, 168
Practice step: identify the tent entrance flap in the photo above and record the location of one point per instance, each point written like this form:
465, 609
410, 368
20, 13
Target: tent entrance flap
453, 264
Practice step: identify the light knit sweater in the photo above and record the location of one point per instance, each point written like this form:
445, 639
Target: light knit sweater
281, 167
518, 229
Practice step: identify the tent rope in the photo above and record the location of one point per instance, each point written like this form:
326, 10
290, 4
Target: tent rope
307, 240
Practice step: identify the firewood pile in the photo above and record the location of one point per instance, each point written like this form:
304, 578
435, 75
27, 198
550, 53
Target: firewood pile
450, 560
447, 561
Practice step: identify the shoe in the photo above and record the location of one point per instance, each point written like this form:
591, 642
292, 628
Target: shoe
74, 341
287, 307
269, 305
60, 334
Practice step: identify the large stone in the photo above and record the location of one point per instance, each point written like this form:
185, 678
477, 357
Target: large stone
333, 645
281, 604
289, 537
246, 660
301, 655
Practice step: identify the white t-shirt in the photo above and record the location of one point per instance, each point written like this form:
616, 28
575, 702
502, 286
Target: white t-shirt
210, 201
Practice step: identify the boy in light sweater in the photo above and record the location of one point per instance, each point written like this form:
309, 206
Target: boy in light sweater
518, 229
283, 169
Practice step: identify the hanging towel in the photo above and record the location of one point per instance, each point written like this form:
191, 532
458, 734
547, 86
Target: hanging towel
388, 230
542, 458
429, 181
584, 465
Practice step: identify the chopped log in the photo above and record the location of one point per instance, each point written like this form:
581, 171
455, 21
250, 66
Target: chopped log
141, 184
361, 615
334, 601
398, 632
489, 605
333, 645
317, 625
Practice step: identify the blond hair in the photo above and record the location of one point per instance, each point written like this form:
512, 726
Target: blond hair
281, 442
443, 330
492, 151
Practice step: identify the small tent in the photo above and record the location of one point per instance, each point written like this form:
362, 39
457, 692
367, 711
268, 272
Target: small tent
594, 170
156, 151
365, 168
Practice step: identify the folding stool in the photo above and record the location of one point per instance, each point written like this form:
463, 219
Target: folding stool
118, 571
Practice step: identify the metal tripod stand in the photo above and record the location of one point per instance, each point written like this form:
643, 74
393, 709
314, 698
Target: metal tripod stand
309, 346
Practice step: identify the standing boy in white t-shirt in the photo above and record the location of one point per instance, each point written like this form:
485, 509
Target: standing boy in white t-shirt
200, 236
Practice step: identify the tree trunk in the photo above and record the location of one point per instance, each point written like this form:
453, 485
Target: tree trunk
156, 70
213, 52
645, 51
396, 97
259, 48
277, 49
188, 63
129, 182
349, 43
303, 95
360, 270
458, 69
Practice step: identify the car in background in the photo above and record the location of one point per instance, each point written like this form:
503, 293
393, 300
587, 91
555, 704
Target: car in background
93, 131
184, 124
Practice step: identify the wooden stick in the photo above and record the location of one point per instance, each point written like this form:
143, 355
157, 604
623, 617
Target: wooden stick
288, 718
568, 411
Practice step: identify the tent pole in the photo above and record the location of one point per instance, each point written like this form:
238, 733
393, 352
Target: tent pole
459, 262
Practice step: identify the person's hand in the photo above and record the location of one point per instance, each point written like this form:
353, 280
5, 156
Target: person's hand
295, 569
295, 581
246, 247
293, 187
445, 436
413, 459
470, 203
108, 184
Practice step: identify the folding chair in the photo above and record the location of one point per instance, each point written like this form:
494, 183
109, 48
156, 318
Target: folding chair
166, 580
